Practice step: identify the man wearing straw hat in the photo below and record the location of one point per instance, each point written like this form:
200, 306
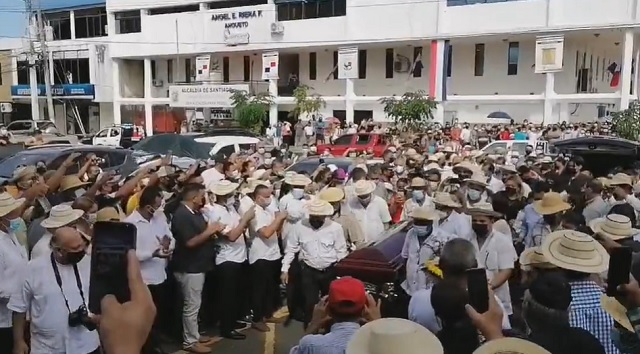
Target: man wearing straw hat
293, 202
320, 244
551, 207
60, 216
452, 221
618, 228
370, 210
419, 197
352, 230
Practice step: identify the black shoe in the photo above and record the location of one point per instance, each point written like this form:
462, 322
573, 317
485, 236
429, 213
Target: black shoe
234, 335
240, 325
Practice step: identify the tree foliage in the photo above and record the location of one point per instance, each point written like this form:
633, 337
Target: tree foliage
626, 123
411, 110
306, 103
250, 111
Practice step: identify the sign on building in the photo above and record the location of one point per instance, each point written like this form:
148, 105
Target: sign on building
549, 54
236, 25
203, 96
203, 66
270, 62
348, 63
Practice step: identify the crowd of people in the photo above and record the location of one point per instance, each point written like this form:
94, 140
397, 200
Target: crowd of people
226, 239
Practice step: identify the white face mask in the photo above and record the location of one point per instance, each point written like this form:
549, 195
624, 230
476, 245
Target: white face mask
261, 151
230, 202
235, 174
297, 193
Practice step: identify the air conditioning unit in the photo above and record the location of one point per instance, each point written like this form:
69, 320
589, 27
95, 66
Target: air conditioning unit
157, 83
277, 28
6, 107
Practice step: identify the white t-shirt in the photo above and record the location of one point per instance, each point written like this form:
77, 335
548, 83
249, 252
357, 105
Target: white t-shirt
263, 248
13, 261
235, 251
308, 130
211, 176
372, 218
42, 248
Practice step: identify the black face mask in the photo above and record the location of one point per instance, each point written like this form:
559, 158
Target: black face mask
316, 223
74, 257
571, 170
480, 229
550, 219
510, 191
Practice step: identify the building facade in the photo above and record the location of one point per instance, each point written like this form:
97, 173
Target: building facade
7, 46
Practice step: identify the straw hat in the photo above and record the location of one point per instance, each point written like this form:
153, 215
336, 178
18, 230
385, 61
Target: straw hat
477, 179
423, 213
332, 194
8, 203
70, 182
620, 179
483, 209
24, 172
364, 187
534, 258
614, 226
604, 181
510, 345
411, 152
252, 184
258, 173
432, 166
61, 215
223, 187
445, 199
448, 149
617, 311
108, 214
465, 165
432, 158
576, 251
546, 159
550, 203
319, 207
297, 180
508, 168
393, 335
418, 182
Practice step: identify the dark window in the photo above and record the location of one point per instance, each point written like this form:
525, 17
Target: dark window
170, 71
479, 60
60, 25
449, 60
227, 150
311, 9
343, 140
512, 55
225, 4
174, 9
363, 139
225, 69
1, 73
71, 71
91, 23
153, 70
117, 158
247, 68
247, 147
295, 11
388, 68
128, 22
312, 65
187, 70
19, 126
362, 64
417, 58
339, 7
335, 65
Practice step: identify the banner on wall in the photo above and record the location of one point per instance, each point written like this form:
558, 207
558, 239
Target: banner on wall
203, 67
270, 62
204, 96
348, 63
549, 54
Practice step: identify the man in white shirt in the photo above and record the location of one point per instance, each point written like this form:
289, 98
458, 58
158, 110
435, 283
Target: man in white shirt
55, 287
371, 211
320, 244
60, 216
293, 203
13, 261
419, 197
215, 173
154, 245
264, 254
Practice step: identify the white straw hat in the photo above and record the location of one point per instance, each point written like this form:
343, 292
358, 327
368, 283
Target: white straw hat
418, 182
477, 179
9, 204
445, 199
423, 213
364, 187
615, 226
534, 258
253, 183
621, 179
319, 207
551, 203
576, 251
483, 209
510, 346
508, 168
61, 215
393, 335
297, 180
223, 187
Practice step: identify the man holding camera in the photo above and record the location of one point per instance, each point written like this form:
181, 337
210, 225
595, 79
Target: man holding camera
55, 292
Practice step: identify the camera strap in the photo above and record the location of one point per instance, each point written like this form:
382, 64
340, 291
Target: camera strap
56, 272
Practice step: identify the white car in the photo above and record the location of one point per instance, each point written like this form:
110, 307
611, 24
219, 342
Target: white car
539, 146
227, 145
124, 135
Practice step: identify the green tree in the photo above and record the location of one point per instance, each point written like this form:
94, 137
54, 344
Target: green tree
412, 110
306, 103
626, 123
250, 111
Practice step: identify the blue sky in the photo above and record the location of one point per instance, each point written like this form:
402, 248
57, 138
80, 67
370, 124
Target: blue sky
12, 18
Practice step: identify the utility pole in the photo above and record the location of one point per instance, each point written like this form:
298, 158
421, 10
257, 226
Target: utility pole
33, 74
45, 62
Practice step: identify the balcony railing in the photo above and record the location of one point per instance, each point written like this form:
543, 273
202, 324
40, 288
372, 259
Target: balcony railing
473, 2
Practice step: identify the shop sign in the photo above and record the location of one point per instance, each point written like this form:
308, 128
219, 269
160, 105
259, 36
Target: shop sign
203, 96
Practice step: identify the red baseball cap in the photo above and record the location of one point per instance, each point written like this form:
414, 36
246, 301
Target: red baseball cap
347, 296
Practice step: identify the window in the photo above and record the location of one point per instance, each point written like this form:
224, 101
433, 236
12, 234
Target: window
103, 133
91, 23
19, 126
493, 148
247, 147
71, 71
363, 139
343, 140
513, 55
114, 132
153, 70
128, 22
227, 150
313, 65
187, 70
335, 65
362, 64
520, 148
174, 10
170, 71
449, 59
1, 74
117, 158
298, 10
60, 25
225, 69
417, 59
388, 69
479, 60
247, 68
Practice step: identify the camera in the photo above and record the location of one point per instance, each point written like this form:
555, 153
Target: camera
81, 317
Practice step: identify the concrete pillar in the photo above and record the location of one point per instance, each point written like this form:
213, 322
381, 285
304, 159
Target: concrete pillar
350, 95
148, 118
115, 71
625, 74
549, 96
636, 74
204, 6
148, 107
273, 110
437, 77
148, 83
72, 18
52, 70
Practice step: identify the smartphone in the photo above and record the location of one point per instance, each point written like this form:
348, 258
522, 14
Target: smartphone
619, 269
478, 289
110, 243
44, 203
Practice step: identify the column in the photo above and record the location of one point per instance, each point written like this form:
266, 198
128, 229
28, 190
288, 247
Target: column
634, 90
436, 77
273, 110
72, 18
349, 98
115, 71
625, 75
52, 70
111, 24
549, 96
148, 107
204, 6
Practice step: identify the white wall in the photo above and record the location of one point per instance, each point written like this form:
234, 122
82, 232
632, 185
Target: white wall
131, 79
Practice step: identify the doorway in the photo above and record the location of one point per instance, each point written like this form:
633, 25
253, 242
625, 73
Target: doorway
359, 116
289, 73
340, 114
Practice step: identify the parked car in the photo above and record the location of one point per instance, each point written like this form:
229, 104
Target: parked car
360, 142
602, 154
25, 127
226, 145
310, 164
518, 146
229, 132
118, 159
125, 135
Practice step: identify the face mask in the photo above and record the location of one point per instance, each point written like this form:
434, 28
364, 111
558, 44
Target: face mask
399, 170
434, 184
3, 131
481, 230
297, 193
316, 223
15, 225
417, 195
423, 230
265, 202
91, 218
261, 151
230, 202
510, 190
473, 195
550, 219
365, 199
74, 257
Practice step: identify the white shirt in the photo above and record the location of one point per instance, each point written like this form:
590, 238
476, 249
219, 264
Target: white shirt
211, 176
42, 298
295, 213
42, 247
465, 135
308, 130
263, 248
319, 248
372, 217
149, 234
13, 261
495, 185
458, 224
410, 205
235, 251
417, 253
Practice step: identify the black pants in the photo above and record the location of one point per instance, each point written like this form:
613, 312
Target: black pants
159, 295
6, 340
315, 283
265, 288
230, 286
295, 296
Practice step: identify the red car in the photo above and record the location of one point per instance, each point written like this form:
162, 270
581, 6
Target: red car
360, 142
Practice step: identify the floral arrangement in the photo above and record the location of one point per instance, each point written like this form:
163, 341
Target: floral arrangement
433, 268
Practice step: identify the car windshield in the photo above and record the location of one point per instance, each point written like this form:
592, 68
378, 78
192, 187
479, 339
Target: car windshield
10, 164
